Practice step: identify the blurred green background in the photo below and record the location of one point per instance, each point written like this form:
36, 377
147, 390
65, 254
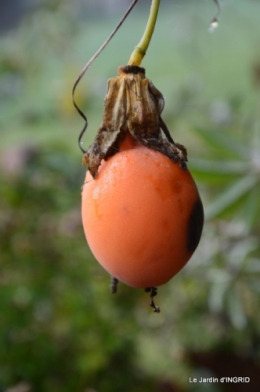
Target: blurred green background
60, 328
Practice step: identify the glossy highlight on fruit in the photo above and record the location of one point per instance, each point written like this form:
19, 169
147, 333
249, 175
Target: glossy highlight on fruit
142, 215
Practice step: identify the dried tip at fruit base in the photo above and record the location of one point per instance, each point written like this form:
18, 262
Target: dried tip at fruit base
134, 105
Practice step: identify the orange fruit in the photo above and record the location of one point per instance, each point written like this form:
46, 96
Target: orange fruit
142, 215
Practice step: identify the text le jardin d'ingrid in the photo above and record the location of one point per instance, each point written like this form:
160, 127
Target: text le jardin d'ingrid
212, 380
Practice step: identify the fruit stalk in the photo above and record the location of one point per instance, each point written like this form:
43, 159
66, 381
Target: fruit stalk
140, 50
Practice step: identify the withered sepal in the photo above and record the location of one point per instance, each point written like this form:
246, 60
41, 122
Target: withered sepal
132, 104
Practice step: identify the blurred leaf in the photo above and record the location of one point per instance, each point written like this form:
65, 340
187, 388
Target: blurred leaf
238, 255
235, 310
251, 210
230, 196
219, 167
253, 267
224, 144
216, 296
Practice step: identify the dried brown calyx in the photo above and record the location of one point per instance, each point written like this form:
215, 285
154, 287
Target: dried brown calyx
133, 105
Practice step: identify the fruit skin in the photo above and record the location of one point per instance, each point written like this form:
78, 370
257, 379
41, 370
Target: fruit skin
142, 216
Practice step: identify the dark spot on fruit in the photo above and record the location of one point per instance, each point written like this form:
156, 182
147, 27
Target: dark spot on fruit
195, 226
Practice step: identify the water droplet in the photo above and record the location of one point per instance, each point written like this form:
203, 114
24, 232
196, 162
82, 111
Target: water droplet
213, 25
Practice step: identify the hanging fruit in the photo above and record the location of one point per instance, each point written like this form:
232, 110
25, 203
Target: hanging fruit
141, 210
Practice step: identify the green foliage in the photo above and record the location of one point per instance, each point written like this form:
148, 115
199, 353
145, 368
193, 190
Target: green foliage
60, 328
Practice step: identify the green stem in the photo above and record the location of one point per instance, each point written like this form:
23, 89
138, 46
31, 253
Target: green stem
140, 50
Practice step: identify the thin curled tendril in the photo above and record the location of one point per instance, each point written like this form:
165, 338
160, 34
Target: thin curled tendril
87, 66
214, 22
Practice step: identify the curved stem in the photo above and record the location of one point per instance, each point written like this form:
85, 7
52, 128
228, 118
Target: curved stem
86, 68
140, 50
